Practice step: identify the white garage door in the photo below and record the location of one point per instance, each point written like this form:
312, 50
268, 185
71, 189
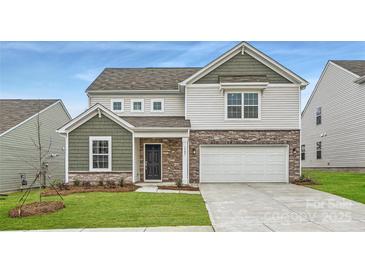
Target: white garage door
235, 163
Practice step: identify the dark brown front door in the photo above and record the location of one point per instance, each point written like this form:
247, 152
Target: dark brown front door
153, 162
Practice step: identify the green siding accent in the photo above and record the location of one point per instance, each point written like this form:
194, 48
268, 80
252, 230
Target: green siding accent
18, 153
79, 144
242, 65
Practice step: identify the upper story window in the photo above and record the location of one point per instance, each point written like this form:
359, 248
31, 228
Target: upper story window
243, 105
137, 105
319, 116
117, 105
157, 105
319, 150
100, 157
302, 152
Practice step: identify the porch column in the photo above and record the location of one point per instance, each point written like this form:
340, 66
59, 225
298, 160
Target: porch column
185, 160
66, 158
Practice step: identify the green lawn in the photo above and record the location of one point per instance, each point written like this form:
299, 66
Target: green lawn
100, 209
349, 185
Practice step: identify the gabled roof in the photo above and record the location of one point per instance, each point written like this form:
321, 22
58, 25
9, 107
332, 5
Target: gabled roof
15, 111
246, 48
141, 78
130, 123
354, 66
90, 113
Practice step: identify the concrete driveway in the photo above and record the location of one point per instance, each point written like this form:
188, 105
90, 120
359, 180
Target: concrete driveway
279, 207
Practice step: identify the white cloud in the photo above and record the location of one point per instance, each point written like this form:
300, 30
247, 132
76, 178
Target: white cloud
88, 75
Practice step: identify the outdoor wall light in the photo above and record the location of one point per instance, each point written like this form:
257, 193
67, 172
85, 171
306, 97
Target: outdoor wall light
194, 151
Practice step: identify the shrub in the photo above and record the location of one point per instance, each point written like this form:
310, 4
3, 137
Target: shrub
86, 184
179, 182
58, 183
110, 184
76, 182
121, 181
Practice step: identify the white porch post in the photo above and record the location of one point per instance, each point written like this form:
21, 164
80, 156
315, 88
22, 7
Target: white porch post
66, 158
185, 160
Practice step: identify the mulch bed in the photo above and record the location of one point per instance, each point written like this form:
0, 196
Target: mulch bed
187, 188
83, 189
305, 181
36, 208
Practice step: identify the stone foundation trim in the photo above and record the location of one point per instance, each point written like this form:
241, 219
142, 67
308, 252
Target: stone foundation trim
95, 177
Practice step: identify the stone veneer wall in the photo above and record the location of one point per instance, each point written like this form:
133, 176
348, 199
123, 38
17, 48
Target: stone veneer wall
171, 157
94, 177
205, 137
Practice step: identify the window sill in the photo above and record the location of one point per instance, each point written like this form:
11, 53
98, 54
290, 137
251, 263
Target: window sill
100, 170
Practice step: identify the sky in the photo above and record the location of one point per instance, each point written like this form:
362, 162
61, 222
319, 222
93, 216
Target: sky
63, 70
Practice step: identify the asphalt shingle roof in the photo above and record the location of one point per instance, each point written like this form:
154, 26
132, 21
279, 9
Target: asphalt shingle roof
355, 66
141, 78
157, 121
15, 111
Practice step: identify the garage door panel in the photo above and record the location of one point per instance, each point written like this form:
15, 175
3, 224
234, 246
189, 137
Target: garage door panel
232, 163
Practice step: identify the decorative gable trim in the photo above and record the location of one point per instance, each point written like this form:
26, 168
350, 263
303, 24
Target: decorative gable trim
246, 48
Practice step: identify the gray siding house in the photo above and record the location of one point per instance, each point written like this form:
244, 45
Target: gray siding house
333, 121
237, 119
19, 131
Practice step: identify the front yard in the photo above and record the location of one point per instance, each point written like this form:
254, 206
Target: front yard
349, 185
102, 210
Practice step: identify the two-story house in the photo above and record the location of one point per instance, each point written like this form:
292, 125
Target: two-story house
333, 121
235, 120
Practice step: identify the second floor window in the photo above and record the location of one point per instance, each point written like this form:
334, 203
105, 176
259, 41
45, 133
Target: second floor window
319, 116
157, 105
234, 105
243, 105
319, 150
137, 105
117, 105
302, 152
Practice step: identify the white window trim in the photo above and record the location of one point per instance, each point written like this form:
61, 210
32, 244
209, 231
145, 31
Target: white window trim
242, 105
137, 100
100, 138
162, 105
112, 101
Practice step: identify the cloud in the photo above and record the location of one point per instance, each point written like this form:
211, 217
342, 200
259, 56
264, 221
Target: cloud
79, 47
197, 54
88, 75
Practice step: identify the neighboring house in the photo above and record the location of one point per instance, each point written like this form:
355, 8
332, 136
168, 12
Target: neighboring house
235, 120
19, 134
333, 121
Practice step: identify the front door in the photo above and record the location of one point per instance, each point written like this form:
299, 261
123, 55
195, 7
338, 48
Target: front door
153, 162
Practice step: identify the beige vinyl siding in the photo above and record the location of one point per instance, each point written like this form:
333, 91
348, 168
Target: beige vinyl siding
18, 153
279, 109
343, 120
242, 65
173, 104
79, 144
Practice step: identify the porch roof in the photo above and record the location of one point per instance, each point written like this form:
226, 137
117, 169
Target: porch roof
157, 121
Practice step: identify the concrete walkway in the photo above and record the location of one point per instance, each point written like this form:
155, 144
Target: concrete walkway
131, 229
153, 188
279, 207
